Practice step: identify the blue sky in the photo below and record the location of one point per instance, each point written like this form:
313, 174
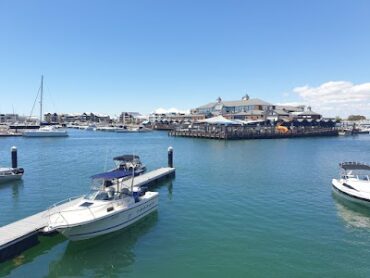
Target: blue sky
113, 56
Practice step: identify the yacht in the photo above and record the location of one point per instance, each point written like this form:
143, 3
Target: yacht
10, 174
46, 131
111, 205
354, 182
126, 162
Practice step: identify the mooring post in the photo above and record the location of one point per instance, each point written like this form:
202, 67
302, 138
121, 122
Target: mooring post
14, 157
170, 157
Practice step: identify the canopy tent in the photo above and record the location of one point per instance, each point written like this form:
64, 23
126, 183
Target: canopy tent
115, 174
219, 120
354, 166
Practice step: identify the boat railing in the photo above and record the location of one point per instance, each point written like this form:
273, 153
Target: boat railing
50, 212
64, 201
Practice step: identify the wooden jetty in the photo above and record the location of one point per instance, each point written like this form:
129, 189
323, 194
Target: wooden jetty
23, 234
232, 133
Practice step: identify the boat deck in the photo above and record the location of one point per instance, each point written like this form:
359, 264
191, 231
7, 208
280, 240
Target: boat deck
23, 234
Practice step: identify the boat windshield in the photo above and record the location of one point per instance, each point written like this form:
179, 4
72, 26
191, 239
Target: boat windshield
363, 177
99, 195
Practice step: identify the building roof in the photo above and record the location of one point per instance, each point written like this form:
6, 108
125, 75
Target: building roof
281, 112
252, 101
219, 120
306, 113
290, 108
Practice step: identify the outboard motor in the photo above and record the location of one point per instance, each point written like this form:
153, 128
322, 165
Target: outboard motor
18, 171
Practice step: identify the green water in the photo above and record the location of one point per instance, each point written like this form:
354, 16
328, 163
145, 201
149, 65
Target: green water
261, 208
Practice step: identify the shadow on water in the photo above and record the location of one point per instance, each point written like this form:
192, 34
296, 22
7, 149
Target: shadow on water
45, 245
107, 255
353, 214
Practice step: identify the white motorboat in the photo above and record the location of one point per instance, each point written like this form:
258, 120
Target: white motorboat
110, 206
354, 182
46, 131
10, 174
126, 162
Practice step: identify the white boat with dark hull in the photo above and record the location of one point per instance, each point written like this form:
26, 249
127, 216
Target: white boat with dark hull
10, 174
110, 206
354, 182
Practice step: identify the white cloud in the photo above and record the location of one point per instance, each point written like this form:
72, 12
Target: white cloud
171, 110
337, 98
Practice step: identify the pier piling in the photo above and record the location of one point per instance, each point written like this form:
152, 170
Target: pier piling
170, 157
14, 157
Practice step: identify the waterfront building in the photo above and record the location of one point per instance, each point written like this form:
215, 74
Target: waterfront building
175, 117
246, 104
76, 117
255, 109
131, 118
8, 118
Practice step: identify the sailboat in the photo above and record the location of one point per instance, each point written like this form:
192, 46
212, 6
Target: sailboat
44, 131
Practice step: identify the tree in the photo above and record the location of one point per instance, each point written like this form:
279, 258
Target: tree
356, 118
338, 119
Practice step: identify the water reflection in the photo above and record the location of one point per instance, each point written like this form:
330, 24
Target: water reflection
107, 255
353, 214
15, 186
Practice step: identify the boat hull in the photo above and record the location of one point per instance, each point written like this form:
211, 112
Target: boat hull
45, 134
346, 194
111, 223
9, 178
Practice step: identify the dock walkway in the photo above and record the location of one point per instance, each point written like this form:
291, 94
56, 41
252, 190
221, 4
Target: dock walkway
23, 234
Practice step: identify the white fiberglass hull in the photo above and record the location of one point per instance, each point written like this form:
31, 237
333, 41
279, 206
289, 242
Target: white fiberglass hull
112, 222
349, 194
8, 178
36, 133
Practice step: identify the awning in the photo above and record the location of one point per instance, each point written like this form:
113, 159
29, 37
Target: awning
219, 120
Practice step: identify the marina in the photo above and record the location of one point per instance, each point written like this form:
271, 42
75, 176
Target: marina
185, 139
297, 211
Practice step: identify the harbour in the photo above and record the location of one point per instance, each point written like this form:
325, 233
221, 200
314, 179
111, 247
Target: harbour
263, 216
208, 139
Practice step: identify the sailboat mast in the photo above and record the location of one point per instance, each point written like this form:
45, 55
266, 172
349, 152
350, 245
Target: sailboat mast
41, 96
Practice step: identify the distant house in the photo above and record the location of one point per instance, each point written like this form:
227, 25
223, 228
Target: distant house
131, 118
76, 117
8, 118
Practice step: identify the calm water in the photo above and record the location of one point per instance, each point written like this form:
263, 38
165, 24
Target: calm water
239, 208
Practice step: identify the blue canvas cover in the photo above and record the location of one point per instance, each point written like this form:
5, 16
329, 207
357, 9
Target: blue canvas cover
115, 174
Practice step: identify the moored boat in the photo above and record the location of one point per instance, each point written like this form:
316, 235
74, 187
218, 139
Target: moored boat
354, 182
10, 174
110, 206
46, 131
127, 161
